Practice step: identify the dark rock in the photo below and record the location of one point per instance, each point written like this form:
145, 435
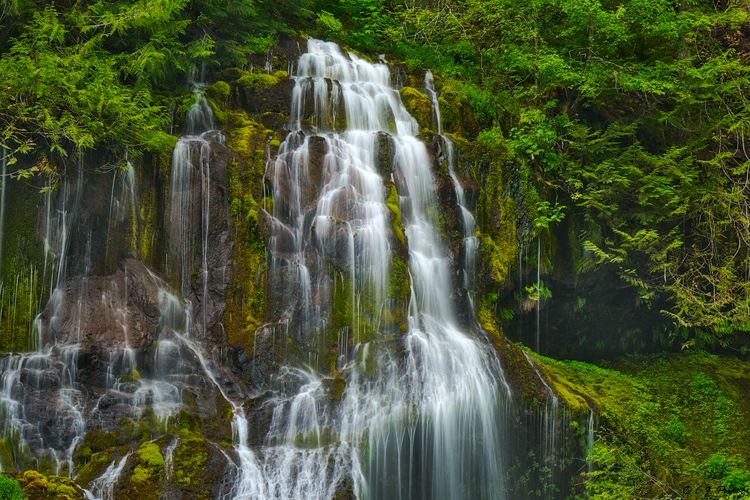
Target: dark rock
259, 99
109, 310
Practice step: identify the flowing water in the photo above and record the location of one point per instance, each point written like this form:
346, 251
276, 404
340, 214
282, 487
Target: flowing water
428, 420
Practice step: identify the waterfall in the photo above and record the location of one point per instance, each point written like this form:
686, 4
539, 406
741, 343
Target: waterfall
103, 486
470, 241
548, 429
190, 200
406, 422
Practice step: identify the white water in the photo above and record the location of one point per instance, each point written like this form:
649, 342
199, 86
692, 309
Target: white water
468, 223
412, 428
102, 488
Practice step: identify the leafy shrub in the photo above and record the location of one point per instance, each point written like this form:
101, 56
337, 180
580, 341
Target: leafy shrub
717, 465
737, 480
10, 489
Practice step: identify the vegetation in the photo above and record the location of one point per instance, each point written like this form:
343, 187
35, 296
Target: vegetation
666, 422
631, 114
624, 119
100, 74
10, 489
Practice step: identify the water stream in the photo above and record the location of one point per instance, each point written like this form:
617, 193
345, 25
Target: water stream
428, 422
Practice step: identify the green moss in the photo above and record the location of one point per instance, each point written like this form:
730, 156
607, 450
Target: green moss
254, 79
246, 301
218, 91
131, 378
229, 74
190, 457
94, 468
36, 485
419, 106
499, 257
335, 387
679, 410
398, 281
454, 106
392, 204
151, 458
22, 266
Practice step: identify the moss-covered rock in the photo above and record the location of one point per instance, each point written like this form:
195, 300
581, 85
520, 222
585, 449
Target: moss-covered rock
96, 465
149, 464
37, 486
219, 91
189, 457
419, 106
668, 414
253, 79
245, 309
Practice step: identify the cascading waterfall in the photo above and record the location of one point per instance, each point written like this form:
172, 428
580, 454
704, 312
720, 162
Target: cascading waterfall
52, 371
102, 488
25, 377
468, 223
411, 427
191, 168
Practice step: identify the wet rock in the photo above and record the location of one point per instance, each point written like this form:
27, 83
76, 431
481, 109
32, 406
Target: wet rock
259, 417
117, 310
464, 308
258, 99
446, 195
386, 150
297, 179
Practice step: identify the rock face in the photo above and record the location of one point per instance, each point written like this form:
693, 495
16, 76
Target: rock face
194, 305
117, 310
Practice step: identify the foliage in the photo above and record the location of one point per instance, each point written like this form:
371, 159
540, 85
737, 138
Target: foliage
667, 421
631, 114
100, 74
10, 489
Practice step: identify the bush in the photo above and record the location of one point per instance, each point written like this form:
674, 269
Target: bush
10, 489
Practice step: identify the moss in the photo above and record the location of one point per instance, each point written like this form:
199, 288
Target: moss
392, 204
150, 457
498, 257
419, 106
94, 468
335, 387
38, 486
6, 455
679, 409
398, 281
131, 378
22, 266
254, 79
189, 457
455, 111
246, 300
218, 91
229, 74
